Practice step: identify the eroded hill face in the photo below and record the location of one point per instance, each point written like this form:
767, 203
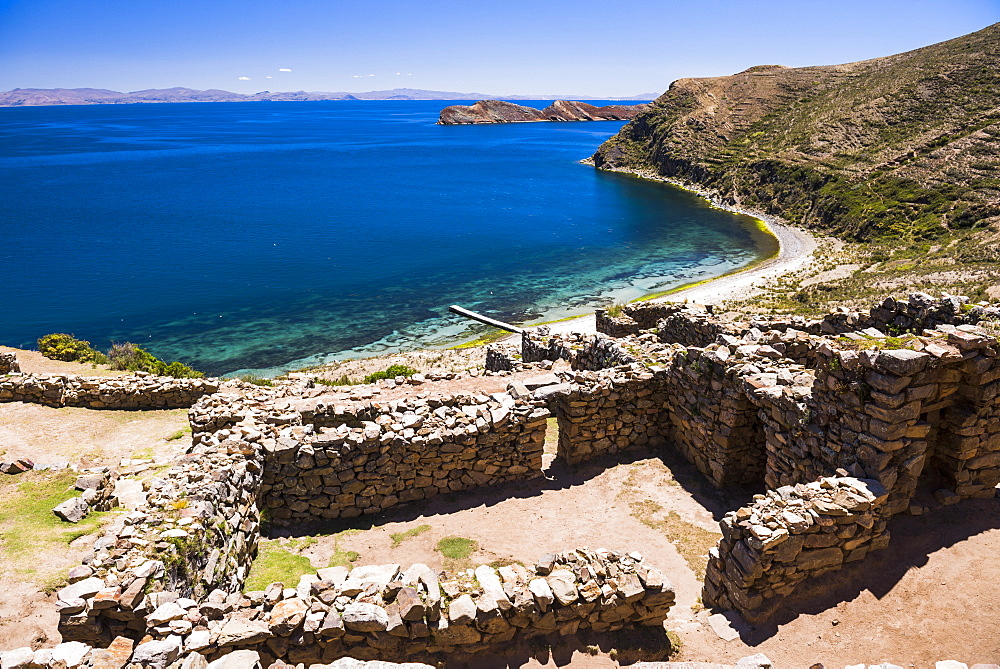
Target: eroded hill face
905, 145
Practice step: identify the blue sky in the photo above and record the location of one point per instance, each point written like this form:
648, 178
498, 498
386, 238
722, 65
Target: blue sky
601, 48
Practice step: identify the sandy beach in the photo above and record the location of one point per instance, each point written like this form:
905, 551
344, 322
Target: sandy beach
795, 252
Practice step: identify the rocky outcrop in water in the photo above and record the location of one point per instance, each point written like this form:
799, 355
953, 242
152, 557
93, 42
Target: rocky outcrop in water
498, 111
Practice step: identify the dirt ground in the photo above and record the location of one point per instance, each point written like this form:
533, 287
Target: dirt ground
33, 362
932, 595
86, 437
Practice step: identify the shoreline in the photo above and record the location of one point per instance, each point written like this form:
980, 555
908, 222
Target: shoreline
795, 249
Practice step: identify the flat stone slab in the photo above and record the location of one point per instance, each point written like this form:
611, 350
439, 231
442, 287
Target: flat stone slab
721, 626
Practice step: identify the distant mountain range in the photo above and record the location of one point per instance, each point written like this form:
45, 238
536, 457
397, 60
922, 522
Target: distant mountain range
34, 97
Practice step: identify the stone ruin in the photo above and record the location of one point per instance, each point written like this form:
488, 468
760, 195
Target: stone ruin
834, 422
837, 425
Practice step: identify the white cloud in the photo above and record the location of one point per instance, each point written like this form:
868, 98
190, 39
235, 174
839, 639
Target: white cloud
270, 77
284, 69
398, 73
360, 76
243, 78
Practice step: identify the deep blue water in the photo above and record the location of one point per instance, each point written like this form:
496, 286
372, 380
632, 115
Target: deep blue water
239, 236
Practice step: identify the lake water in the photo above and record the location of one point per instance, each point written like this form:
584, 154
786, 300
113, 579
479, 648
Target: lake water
268, 236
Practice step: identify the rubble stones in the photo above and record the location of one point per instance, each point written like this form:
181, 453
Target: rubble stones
159, 653
72, 510
238, 659
362, 617
18, 466
8, 363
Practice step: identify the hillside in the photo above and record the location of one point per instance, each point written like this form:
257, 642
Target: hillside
900, 146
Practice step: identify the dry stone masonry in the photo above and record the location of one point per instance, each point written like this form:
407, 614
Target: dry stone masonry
342, 461
838, 425
135, 391
9, 364
791, 534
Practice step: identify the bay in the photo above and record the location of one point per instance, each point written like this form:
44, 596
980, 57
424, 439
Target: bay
269, 236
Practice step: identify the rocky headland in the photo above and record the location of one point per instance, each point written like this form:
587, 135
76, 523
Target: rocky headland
499, 111
896, 157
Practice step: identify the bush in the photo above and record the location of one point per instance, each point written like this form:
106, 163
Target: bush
342, 381
390, 373
61, 346
133, 358
257, 380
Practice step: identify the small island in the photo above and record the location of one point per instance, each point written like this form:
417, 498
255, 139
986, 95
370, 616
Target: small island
499, 111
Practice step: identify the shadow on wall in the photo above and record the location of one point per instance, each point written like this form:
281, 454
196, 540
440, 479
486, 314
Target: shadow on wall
914, 540
558, 476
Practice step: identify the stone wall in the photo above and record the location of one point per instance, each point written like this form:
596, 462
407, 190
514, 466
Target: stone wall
890, 415
638, 316
348, 460
606, 412
789, 535
8, 363
918, 312
583, 352
134, 391
715, 425
387, 612
195, 536
840, 433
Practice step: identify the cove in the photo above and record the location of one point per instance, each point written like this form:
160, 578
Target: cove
270, 236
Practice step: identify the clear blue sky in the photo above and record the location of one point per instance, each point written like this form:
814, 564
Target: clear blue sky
601, 48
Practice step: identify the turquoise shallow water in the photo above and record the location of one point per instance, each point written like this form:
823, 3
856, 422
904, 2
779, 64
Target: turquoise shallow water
266, 236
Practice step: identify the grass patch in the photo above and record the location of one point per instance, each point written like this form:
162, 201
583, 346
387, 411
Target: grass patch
342, 381
551, 436
257, 380
886, 344
456, 552
275, 564
457, 548
558, 320
179, 434
616, 310
483, 340
342, 557
27, 524
390, 372
690, 540
400, 537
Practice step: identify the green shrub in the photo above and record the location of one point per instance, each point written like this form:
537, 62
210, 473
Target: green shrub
342, 381
257, 380
457, 548
616, 310
390, 373
133, 358
61, 346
